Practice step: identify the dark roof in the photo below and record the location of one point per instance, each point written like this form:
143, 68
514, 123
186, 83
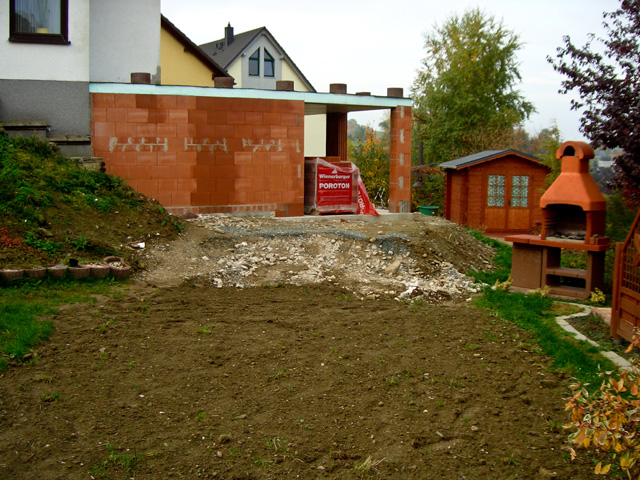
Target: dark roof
225, 54
485, 156
192, 48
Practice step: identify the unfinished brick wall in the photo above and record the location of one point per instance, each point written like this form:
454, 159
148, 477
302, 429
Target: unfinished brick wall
400, 160
204, 154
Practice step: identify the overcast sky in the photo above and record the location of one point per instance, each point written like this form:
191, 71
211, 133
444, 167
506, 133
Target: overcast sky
377, 44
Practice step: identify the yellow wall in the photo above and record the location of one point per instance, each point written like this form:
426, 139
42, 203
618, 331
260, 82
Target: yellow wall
179, 67
315, 126
289, 74
235, 70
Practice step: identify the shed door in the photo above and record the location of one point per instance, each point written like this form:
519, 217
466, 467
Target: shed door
507, 205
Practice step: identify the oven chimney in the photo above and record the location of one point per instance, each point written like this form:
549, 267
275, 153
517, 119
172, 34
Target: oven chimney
574, 185
228, 35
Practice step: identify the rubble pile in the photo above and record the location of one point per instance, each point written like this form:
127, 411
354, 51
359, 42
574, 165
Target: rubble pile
368, 260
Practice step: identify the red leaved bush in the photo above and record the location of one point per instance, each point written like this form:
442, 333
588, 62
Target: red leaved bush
12, 247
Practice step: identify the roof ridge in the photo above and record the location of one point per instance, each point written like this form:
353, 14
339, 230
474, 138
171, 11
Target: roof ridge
227, 54
485, 155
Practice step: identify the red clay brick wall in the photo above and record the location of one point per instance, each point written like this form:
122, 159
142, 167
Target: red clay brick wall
400, 161
204, 154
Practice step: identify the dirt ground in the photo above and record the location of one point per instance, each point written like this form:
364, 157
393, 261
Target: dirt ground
187, 372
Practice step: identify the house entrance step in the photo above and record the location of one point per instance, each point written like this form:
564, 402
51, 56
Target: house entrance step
69, 139
69, 145
26, 129
72, 145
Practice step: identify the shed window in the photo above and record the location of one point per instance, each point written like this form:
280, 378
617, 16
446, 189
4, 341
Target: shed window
520, 191
269, 71
39, 21
254, 64
495, 192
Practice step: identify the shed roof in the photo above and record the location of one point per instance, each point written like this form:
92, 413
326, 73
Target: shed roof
485, 156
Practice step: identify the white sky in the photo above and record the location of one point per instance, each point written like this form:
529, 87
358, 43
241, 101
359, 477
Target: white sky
377, 44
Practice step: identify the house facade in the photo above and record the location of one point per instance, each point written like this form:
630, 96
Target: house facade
256, 60
192, 148
46, 70
183, 62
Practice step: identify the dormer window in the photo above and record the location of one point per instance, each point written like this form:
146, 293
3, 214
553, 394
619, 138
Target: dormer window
269, 63
254, 64
39, 21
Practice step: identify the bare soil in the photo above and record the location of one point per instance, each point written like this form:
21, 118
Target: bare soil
179, 375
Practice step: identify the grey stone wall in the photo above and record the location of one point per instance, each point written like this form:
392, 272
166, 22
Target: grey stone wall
66, 106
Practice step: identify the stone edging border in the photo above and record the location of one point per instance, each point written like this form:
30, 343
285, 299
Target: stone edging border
114, 265
586, 311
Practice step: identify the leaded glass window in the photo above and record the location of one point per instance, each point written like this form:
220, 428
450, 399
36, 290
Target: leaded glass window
495, 192
520, 191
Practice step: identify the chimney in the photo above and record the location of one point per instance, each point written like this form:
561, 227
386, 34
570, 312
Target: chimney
228, 35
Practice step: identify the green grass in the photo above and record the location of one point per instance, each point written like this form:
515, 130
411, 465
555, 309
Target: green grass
501, 260
22, 308
36, 175
533, 313
51, 208
116, 461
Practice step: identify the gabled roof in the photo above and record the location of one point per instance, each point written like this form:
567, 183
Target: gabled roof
225, 54
487, 155
192, 48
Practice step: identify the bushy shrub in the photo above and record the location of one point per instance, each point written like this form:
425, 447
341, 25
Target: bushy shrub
608, 420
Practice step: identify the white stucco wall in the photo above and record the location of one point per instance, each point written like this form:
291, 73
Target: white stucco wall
31, 61
315, 135
125, 38
261, 82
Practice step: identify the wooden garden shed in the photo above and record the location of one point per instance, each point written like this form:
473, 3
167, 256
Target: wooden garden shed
497, 191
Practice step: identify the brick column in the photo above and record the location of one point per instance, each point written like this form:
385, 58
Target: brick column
337, 135
400, 161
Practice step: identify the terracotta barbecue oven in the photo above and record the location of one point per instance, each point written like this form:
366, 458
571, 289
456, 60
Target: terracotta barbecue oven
573, 211
572, 207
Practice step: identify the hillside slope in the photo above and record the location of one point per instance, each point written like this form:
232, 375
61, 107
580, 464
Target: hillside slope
52, 210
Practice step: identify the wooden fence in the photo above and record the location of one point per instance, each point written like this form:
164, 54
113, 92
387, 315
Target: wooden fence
625, 311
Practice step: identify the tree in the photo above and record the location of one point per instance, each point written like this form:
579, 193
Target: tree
548, 143
372, 158
464, 95
355, 131
608, 84
384, 134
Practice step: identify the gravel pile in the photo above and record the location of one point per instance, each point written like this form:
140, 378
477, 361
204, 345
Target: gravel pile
367, 260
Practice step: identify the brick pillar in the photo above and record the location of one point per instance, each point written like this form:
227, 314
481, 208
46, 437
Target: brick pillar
337, 135
400, 161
